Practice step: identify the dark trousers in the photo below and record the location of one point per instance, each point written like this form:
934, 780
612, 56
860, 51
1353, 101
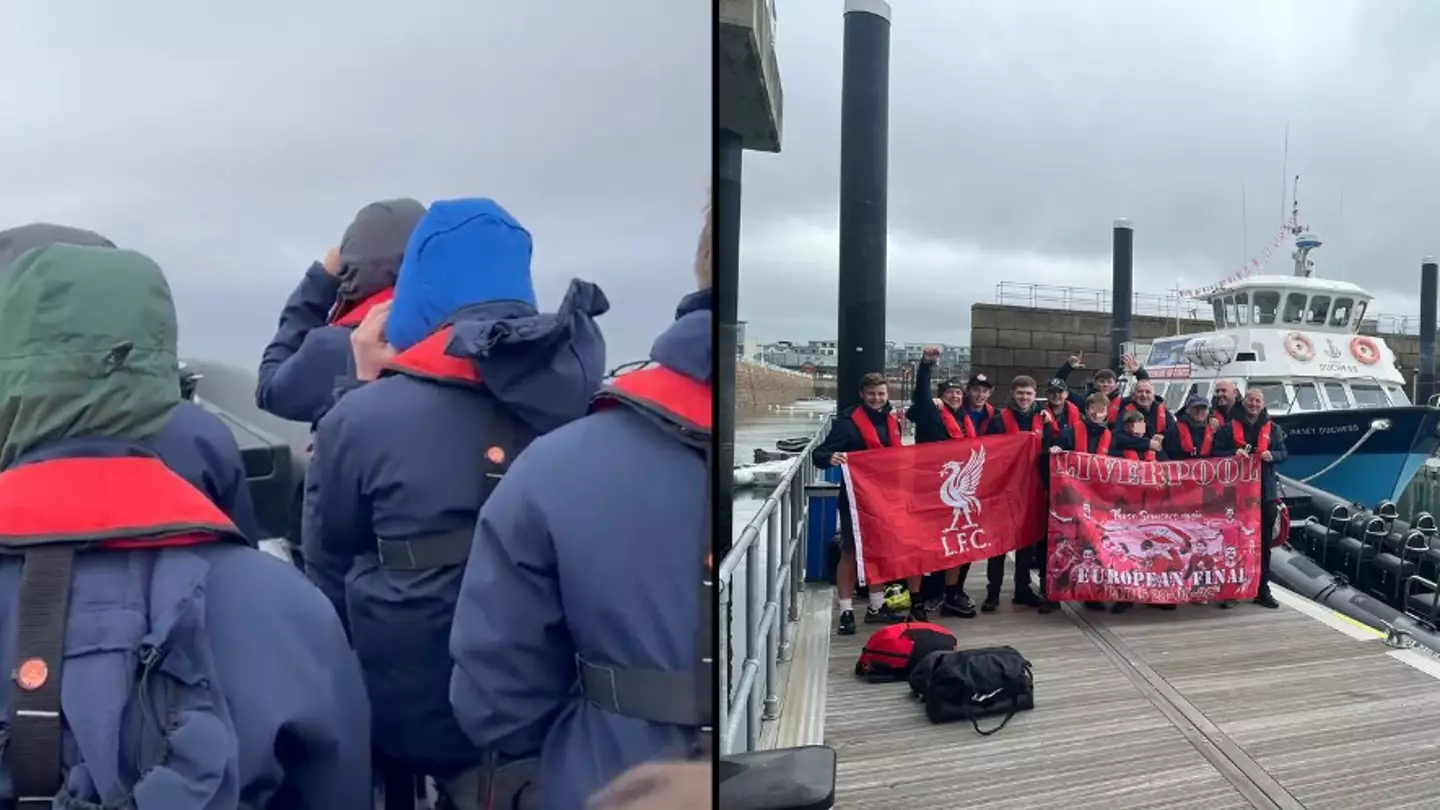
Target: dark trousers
1269, 513
994, 572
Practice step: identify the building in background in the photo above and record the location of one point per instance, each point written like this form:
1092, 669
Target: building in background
818, 357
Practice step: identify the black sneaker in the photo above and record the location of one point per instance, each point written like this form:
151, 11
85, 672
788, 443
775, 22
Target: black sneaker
991, 603
1227, 604
847, 623
882, 616
1048, 606
1121, 607
960, 606
1164, 607
918, 613
933, 605
1094, 605
1266, 599
1026, 598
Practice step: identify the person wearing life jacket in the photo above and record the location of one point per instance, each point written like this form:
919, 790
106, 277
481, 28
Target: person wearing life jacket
868, 425
1254, 435
1225, 404
310, 353
468, 372
553, 663
193, 442
1064, 412
977, 403
155, 660
1142, 399
1021, 413
1130, 440
1105, 381
1194, 434
943, 419
1092, 436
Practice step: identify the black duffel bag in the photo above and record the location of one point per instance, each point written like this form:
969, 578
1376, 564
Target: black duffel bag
970, 684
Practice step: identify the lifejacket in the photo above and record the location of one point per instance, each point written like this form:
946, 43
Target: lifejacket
1262, 441
1103, 449
1158, 409
1187, 441
869, 434
1072, 418
956, 428
427, 360
1012, 425
351, 316
685, 406
1113, 412
49, 512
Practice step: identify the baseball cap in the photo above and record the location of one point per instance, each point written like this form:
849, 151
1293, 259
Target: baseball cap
979, 381
1196, 399
1056, 384
953, 382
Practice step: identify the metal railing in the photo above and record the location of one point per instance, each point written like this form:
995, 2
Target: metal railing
772, 609
1168, 305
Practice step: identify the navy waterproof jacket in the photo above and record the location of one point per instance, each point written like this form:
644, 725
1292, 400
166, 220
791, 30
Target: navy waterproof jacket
407, 459
597, 532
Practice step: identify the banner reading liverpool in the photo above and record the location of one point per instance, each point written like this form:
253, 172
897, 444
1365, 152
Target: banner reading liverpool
930, 507
1166, 532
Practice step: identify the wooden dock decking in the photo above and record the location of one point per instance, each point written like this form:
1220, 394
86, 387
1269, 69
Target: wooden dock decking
1197, 708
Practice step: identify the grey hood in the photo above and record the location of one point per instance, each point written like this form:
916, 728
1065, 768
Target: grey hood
373, 245
17, 241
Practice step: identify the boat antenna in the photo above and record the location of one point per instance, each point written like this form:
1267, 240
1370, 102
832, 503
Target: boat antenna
1304, 240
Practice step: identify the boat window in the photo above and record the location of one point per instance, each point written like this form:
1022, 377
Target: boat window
1267, 302
1319, 309
1368, 396
1307, 398
1359, 318
1229, 310
1340, 315
1397, 395
1219, 311
1294, 307
1335, 392
1175, 394
1274, 392
1242, 308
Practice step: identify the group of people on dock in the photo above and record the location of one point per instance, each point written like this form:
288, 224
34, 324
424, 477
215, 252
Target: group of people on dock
1100, 420
478, 504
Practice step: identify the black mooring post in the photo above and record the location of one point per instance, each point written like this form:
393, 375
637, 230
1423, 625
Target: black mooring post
864, 173
1122, 290
1429, 276
727, 288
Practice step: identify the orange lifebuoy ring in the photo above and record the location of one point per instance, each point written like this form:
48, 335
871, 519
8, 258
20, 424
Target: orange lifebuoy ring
1298, 346
1365, 349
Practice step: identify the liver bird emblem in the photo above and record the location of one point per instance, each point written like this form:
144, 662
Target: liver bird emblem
960, 492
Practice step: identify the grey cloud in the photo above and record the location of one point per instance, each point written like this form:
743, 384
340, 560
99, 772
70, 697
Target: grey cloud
234, 143
1026, 128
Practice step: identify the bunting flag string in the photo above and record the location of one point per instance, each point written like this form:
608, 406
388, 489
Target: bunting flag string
1255, 265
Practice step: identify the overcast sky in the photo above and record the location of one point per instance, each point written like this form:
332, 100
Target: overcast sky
1020, 129
234, 142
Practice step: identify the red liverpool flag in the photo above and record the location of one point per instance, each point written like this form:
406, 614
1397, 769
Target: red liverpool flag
930, 507
1156, 532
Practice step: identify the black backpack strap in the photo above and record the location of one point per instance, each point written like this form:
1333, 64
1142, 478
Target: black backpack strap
33, 748
1013, 691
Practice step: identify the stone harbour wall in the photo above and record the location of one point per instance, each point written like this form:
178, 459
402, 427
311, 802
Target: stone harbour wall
759, 388
1007, 341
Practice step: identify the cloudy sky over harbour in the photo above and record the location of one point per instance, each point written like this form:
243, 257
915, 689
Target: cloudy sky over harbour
1020, 130
233, 143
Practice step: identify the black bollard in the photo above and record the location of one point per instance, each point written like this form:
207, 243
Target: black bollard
727, 288
1122, 289
864, 162
1429, 275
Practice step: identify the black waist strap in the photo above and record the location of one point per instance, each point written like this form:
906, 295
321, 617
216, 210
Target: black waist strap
32, 751
426, 551
659, 696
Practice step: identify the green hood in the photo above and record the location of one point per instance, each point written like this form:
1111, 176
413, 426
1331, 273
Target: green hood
87, 347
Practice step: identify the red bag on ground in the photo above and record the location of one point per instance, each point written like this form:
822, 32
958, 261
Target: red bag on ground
892, 652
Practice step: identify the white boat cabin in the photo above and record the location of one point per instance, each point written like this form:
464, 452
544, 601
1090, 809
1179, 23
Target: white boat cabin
1296, 338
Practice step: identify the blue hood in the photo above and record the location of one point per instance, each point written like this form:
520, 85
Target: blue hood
544, 367
463, 252
687, 345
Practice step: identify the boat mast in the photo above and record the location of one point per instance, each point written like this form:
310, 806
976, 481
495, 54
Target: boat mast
1304, 240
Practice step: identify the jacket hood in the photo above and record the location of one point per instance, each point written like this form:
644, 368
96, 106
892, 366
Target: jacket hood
87, 347
15, 241
687, 345
545, 367
463, 253
374, 246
